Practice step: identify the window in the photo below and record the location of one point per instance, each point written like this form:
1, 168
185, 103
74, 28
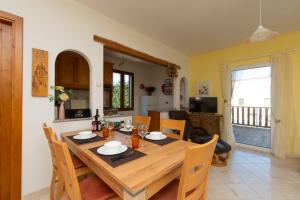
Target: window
122, 92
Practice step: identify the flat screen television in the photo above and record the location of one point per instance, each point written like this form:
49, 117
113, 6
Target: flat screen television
203, 104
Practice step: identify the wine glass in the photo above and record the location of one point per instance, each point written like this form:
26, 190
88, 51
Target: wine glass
110, 126
142, 132
128, 125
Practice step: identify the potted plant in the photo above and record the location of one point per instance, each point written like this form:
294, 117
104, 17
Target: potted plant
60, 97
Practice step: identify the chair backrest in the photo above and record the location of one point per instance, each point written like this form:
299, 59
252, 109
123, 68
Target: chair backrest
51, 137
172, 125
67, 170
138, 119
183, 115
194, 174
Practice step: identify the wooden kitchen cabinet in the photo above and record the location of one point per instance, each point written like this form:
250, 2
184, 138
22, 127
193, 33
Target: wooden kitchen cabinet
108, 74
72, 71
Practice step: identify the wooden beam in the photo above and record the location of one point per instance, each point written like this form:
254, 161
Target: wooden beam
132, 52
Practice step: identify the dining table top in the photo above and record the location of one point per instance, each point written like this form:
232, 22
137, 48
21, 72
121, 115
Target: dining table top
135, 175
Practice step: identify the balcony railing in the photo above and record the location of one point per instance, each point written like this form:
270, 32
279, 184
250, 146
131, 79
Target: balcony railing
251, 116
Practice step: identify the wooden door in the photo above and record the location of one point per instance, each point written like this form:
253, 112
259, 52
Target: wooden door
10, 106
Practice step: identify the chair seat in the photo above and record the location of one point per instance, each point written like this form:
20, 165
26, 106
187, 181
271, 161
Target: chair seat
77, 162
92, 188
169, 192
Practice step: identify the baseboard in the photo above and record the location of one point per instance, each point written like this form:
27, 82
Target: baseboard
36, 194
253, 148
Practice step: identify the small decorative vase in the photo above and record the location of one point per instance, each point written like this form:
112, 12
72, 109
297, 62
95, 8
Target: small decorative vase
56, 112
61, 112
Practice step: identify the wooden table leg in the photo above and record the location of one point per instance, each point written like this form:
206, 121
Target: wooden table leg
138, 196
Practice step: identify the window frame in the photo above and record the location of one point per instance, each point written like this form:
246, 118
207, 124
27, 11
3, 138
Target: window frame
122, 91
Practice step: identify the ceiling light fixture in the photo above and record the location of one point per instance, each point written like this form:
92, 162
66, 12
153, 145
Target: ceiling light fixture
261, 33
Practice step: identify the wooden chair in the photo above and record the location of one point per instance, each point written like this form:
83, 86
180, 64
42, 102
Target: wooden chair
172, 125
138, 119
80, 167
194, 174
91, 188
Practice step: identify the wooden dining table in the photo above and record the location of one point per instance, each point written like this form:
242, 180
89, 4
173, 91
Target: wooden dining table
138, 179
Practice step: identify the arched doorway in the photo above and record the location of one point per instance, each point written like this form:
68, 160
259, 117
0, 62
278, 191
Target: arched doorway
72, 72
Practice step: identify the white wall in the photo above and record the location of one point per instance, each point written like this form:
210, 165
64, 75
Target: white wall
147, 74
57, 25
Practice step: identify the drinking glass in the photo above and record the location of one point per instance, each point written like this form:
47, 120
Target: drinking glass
110, 126
142, 132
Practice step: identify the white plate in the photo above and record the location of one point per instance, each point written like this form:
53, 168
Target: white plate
126, 130
84, 137
162, 137
104, 151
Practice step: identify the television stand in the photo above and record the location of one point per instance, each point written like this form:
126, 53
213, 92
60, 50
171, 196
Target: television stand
209, 121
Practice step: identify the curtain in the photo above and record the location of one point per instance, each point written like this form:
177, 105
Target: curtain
226, 92
235, 77
283, 124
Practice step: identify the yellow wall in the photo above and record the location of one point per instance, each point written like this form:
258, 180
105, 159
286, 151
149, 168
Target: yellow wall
206, 66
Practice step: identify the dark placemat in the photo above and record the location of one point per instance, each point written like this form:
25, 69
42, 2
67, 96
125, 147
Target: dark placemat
107, 159
95, 139
124, 132
161, 142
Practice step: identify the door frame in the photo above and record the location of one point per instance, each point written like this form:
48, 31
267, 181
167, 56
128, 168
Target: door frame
246, 146
17, 86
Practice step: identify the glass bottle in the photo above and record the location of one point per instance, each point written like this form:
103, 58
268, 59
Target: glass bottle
135, 138
97, 122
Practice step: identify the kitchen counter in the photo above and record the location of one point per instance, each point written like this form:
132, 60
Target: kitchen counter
70, 120
161, 110
116, 115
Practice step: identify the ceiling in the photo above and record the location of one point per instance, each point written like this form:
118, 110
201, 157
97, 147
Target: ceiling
192, 26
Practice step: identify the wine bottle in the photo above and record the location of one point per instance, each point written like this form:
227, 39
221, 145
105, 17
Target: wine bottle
97, 117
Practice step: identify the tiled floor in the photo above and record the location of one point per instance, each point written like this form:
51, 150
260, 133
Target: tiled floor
248, 176
255, 176
254, 136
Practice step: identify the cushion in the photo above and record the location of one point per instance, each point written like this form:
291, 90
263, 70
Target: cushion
93, 188
201, 139
169, 192
222, 147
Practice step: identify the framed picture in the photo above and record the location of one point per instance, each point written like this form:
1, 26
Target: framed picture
168, 82
39, 87
203, 89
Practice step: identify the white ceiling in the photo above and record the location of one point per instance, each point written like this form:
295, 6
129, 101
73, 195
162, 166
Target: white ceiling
192, 26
